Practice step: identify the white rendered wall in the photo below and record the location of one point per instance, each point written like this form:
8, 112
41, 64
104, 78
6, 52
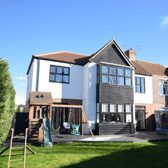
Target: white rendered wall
133, 84
73, 90
147, 97
89, 94
31, 78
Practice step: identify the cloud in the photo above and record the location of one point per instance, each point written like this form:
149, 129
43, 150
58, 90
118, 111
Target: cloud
21, 77
19, 100
164, 22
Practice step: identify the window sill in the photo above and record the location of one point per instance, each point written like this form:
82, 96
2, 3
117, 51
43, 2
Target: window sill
141, 92
59, 82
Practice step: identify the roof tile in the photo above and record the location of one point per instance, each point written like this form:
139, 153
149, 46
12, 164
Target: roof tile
144, 67
66, 56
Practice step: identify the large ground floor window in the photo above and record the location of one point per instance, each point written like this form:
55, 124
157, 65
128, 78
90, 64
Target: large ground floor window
114, 112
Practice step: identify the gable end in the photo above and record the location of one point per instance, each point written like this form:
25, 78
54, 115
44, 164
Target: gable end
111, 55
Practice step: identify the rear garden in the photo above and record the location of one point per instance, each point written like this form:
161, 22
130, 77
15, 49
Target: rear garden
98, 155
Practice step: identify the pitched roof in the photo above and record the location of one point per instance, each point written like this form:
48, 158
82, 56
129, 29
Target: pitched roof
75, 58
65, 56
149, 68
113, 41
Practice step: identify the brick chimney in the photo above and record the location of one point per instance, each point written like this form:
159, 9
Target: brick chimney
130, 54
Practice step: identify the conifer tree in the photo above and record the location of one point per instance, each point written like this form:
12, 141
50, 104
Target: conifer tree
7, 100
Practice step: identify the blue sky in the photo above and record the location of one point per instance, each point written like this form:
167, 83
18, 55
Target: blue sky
30, 27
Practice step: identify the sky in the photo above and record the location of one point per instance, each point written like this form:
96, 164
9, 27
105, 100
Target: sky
30, 27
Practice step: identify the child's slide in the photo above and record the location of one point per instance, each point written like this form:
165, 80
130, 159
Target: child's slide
47, 133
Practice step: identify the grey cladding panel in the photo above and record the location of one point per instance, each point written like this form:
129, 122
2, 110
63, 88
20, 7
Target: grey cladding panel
114, 93
112, 55
116, 128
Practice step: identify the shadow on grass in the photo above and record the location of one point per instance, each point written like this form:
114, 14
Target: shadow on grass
130, 156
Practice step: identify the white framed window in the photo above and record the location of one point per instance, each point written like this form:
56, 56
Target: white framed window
104, 107
97, 117
97, 107
121, 108
112, 108
128, 118
163, 87
97, 112
128, 108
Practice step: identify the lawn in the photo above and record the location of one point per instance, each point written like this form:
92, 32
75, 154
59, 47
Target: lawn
98, 155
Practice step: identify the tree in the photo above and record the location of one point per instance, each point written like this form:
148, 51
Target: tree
18, 110
7, 100
24, 109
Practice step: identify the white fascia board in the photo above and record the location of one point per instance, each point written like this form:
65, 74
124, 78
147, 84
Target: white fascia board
119, 49
123, 54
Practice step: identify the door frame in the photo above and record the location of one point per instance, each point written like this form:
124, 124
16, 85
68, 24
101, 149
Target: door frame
142, 108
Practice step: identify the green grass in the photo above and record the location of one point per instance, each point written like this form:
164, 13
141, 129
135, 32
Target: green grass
98, 155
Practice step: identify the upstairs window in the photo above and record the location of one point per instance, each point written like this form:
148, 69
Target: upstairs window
139, 85
104, 72
163, 87
121, 71
105, 69
59, 74
116, 76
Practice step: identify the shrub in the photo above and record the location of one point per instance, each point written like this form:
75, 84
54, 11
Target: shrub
7, 100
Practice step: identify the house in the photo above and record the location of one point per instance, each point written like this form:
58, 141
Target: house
151, 91
116, 91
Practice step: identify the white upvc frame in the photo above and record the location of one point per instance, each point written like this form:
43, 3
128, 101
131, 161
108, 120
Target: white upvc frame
162, 82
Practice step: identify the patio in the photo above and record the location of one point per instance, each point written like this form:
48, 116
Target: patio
141, 136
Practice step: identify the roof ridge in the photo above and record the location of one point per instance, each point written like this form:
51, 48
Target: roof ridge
50, 53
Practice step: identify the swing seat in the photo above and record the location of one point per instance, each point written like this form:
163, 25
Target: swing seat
66, 125
75, 129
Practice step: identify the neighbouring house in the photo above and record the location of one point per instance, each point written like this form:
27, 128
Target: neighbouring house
117, 92
151, 91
